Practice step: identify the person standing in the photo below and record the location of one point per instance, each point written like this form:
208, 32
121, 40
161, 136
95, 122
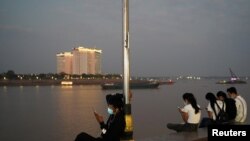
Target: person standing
241, 105
190, 114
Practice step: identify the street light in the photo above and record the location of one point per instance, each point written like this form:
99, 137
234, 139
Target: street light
126, 72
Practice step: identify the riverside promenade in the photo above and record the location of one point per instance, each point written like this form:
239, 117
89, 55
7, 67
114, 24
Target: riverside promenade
56, 82
59, 82
200, 135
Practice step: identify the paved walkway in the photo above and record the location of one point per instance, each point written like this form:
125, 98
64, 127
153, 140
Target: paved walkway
201, 135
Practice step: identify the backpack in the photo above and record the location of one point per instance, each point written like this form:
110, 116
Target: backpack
222, 116
231, 109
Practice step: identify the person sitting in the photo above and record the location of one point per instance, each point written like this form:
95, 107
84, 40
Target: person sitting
115, 125
213, 108
231, 109
190, 114
241, 105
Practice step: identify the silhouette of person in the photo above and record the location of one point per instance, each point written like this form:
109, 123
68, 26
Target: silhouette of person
231, 109
115, 125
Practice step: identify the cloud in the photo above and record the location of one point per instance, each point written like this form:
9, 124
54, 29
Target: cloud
174, 31
15, 28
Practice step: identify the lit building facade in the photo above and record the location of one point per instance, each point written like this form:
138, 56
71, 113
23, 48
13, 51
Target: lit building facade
64, 62
83, 61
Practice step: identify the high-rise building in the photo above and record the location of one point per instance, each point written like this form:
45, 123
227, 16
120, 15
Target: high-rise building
83, 61
64, 62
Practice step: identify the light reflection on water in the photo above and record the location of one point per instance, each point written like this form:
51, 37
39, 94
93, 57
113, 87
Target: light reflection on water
59, 113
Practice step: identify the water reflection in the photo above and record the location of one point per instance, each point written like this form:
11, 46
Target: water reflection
58, 113
67, 87
74, 108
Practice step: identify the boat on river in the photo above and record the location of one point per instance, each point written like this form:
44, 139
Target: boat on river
133, 85
66, 83
233, 80
166, 82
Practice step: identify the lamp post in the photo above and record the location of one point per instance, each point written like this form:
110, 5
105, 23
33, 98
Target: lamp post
126, 72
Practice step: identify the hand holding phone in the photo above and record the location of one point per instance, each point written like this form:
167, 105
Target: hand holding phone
98, 117
179, 108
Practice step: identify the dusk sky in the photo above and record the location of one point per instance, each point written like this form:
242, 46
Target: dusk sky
167, 37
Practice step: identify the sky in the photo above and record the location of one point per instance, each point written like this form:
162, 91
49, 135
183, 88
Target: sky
167, 37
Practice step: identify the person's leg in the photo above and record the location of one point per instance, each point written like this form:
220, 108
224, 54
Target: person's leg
85, 137
205, 122
176, 127
190, 127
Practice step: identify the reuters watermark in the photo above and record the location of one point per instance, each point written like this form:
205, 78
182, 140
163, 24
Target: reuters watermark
241, 132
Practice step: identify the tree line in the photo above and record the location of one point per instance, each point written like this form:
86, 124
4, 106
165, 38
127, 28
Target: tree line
11, 75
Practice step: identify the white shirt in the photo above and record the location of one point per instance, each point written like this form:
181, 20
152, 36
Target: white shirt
241, 106
192, 117
210, 109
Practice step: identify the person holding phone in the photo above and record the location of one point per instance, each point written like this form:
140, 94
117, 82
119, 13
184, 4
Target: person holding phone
190, 114
113, 129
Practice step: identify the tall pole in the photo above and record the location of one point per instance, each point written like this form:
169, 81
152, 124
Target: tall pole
126, 72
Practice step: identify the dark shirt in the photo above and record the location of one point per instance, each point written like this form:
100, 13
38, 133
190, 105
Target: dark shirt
114, 128
231, 108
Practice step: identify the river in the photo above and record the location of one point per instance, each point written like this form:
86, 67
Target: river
56, 113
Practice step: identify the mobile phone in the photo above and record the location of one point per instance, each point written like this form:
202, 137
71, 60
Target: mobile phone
179, 107
94, 110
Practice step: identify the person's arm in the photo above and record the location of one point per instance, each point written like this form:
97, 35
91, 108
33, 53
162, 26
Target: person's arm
210, 111
184, 115
98, 117
210, 114
239, 113
100, 120
115, 128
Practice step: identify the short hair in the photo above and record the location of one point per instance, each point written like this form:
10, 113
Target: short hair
221, 93
116, 100
232, 90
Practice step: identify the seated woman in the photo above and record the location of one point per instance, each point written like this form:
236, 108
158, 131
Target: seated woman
213, 109
114, 127
214, 106
190, 113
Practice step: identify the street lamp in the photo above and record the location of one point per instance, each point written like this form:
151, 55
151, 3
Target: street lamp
126, 72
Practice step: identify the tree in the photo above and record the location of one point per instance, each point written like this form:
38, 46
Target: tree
11, 75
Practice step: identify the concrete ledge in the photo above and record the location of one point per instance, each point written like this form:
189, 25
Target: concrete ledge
200, 135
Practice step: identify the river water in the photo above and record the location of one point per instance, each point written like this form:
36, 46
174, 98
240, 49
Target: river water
56, 113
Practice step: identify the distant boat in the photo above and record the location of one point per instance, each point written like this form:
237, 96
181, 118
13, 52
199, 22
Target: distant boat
67, 83
167, 82
233, 80
133, 85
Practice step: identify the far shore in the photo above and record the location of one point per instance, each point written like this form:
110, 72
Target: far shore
57, 82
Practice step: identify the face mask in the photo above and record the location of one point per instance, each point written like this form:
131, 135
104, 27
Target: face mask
110, 111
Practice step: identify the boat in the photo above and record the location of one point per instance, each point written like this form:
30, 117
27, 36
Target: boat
66, 83
233, 80
166, 82
133, 85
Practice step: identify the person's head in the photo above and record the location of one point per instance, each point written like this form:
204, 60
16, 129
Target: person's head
115, 103
232, 92
190, 99
221, 95
210, 97
187, 97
